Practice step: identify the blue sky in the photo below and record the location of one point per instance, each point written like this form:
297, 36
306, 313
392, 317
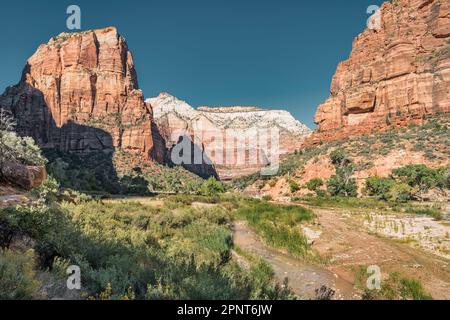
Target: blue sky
269, 53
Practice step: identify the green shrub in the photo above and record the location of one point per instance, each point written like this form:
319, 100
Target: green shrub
420, 176
400, 192
130, 250
379, 187
339, 186
314, 184
19, 150
397, 287
212, 187
293, 186
17, 276
48, 191
339, 157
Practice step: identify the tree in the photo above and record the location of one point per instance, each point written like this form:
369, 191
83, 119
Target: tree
342, 186
379, 187
19, 150
418, 175
342, 183
7, 122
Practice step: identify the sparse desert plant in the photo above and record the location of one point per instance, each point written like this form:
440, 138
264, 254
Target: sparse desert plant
314, 184
325, 293
293, 186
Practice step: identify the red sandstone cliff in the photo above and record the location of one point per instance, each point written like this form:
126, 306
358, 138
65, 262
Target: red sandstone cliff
394, 75
79, 93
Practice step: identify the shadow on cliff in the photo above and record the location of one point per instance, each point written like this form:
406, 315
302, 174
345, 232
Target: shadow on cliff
80, 156
203, 167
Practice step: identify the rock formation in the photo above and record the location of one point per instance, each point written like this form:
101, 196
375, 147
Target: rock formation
79, 93
26, 177
230, 138
394, 76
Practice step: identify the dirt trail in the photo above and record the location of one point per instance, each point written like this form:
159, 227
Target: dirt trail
304, 278
348, 245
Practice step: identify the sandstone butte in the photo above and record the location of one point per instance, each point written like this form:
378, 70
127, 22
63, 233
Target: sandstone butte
79, 93
394, 76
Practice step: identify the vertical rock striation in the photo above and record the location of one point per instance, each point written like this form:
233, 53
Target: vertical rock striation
395, 75
79, 93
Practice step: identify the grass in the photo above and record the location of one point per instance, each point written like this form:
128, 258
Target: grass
278, 225
372, 204
394, 287
142, 251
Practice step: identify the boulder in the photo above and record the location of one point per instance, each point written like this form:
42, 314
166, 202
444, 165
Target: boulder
26, 177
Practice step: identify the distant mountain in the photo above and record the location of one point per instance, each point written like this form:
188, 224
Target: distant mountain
176, 118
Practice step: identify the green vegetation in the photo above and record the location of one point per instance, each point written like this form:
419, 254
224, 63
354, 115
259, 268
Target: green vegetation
212, 187
407, 183
395, 287
293, 186
431, 138
342, 183
129, 250
314, 184
424, 178
434, 211
379, 187
97, 173
17, 275
278, 225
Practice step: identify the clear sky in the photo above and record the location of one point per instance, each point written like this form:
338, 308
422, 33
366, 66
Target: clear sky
268, 53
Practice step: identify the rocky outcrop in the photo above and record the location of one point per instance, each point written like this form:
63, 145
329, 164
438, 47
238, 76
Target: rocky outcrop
394, 76
230, 138
79, 93
26, 177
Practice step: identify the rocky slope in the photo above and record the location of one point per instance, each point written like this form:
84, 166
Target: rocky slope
394, 75
79, 93
227, 135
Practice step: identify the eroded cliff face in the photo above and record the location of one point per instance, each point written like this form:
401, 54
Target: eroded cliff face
79, 93
230, 138
395, 75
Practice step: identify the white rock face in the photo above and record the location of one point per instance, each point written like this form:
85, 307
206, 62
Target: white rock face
237, 140
235, 117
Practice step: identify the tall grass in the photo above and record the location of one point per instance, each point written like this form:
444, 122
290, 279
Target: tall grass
278, 225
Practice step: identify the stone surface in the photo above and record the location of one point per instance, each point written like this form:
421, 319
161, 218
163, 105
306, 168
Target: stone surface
26, 177
79, 93
227, 136
394, 76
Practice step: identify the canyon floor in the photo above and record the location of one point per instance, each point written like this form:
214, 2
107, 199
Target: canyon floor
340, 236
347, 244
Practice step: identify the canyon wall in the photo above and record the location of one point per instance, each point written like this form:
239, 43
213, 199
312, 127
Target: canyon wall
232, 139
79, 93
394, 76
